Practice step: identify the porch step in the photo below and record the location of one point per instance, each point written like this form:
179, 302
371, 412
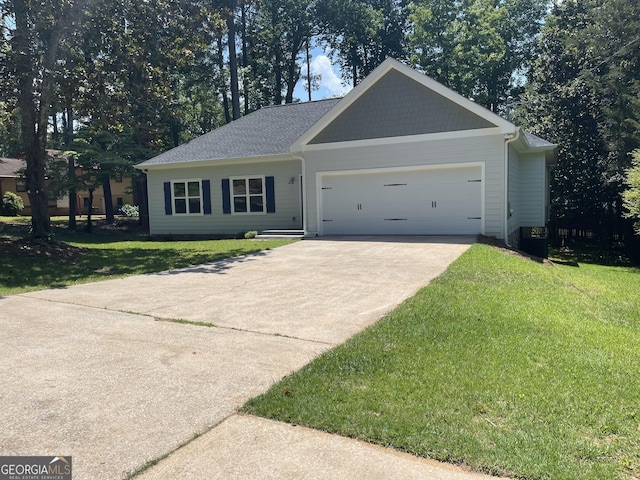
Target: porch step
280, 234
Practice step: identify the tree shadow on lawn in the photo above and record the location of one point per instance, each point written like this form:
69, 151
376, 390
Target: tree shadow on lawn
27, 271
576, 253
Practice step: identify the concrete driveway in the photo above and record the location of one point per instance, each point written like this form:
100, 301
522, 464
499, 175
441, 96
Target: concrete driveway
101, 372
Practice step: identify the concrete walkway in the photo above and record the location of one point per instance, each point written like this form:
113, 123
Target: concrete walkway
102, 372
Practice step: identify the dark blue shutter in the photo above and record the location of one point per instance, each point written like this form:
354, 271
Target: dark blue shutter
168, 209
206, 197
271, 194
226, 196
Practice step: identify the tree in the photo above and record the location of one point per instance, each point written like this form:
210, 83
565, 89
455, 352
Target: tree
227, 11
614, 37
362, 33
479, 48
10, 142
141, 73
631, 196
565, 105
101, 156
32, 35
281, 29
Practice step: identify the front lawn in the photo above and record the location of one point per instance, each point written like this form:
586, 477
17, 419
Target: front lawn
81, 257
509, 366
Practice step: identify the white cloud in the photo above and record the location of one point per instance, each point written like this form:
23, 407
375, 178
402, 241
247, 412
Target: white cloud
331, 84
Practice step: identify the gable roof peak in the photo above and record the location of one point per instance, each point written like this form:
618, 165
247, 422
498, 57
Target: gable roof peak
412, 100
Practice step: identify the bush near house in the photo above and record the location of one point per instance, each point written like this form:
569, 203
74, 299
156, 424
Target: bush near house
12, 204
130, 210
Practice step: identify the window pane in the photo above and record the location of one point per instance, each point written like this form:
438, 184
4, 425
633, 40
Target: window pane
240, 204
239, 187
194, 189
179, 190
256, 203
181, 205
255, 186
194, 205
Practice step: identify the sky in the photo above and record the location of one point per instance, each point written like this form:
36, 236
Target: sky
331, 84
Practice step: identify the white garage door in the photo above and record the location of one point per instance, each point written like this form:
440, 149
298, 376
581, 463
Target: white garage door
416, 202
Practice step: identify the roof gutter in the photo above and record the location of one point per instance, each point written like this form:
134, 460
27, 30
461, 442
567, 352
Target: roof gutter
509, 139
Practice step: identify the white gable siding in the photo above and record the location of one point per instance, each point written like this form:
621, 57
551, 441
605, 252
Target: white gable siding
487, 149
287, 200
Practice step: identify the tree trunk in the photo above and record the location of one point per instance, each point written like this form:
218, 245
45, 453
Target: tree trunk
35, 90
308, 69
245, 60
291, 72
108, 201
30, 123
277, 56
223, 89
278, 73
354, 65
141, 193
89, 227
233, 66
72, 168
36, 161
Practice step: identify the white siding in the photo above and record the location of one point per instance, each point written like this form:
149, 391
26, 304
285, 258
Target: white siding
487, 150
532, 190
515, 201
286, 175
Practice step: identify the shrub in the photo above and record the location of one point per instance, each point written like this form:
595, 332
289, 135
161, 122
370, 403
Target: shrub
129, 210
251, 234
12, 204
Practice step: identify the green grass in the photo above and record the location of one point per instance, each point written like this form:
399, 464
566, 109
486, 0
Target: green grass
509, 366
108, 254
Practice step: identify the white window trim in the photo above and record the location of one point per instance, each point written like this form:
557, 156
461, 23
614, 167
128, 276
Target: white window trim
186, 197
246, 178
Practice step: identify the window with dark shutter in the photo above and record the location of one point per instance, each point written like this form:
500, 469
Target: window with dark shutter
187, 197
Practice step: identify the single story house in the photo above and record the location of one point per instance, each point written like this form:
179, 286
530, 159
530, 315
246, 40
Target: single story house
400, 154
12, 179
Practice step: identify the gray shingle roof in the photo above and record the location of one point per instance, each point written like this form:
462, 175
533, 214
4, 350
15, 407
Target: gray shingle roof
9, 167
268, 131
536, 141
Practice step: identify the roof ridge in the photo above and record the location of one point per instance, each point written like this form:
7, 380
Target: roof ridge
298, 103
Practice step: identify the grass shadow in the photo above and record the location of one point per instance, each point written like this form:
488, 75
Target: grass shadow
575, 253
80, 257
23, 272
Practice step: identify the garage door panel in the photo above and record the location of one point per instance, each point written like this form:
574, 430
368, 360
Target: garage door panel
420, 202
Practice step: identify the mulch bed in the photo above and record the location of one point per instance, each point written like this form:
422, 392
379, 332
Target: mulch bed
38, 248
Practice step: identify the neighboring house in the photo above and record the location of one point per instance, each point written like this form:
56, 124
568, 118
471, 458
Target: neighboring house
400, 154
12, 180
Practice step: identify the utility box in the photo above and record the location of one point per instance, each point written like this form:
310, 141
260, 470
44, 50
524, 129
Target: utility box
534, 241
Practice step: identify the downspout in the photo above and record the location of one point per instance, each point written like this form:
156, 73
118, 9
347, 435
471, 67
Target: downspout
304, 191
509, 139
